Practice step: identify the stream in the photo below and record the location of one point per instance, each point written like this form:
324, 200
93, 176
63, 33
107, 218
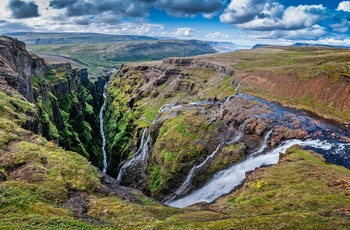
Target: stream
104, 168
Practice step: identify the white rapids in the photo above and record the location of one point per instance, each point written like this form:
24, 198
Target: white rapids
227, 180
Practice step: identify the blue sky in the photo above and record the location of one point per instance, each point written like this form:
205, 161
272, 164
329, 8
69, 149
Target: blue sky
244, 22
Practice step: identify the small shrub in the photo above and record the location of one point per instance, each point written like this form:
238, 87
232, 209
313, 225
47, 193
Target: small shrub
259, 184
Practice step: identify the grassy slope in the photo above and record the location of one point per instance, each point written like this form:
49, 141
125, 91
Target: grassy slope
305, 62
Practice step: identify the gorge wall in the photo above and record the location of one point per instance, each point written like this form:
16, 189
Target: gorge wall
67, 101
186, 103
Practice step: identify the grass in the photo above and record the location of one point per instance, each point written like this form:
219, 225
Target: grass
305, 62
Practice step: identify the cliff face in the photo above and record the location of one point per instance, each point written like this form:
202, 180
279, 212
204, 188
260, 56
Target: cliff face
67, 101
137, 92
18, 66
68, 106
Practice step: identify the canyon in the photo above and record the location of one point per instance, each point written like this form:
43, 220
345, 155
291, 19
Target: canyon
171, 128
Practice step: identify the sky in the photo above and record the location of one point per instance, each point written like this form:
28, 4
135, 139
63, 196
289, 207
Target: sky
244, 22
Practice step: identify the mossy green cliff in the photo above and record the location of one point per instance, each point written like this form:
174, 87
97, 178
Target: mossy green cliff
67, 102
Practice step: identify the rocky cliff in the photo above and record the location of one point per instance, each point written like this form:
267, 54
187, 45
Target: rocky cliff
18, 66
67, 101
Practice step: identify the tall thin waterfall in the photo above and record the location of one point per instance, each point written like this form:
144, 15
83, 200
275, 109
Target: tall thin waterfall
102, 130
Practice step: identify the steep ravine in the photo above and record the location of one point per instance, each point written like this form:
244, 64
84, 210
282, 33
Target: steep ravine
190, 109
67, 102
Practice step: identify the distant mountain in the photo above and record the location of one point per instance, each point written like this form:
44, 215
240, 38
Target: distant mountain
225, 46
299, 44
256, 46
32, 38
100, 56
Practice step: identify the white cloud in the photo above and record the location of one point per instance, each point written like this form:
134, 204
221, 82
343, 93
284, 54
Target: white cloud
268, 15
184, 32
334, 41
310, 33
344, 6
218, 36
5, 13
241, 11
342, 27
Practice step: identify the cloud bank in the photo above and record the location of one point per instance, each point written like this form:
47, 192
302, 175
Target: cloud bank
267, 19
22, 9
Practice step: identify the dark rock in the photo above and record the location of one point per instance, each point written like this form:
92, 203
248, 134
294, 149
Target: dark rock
19, 66
281, 133
109, 185
78, 203
3, 177
29, 173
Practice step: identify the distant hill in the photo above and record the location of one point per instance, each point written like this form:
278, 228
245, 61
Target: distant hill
300, 44
226, 46
101, 53
32, 38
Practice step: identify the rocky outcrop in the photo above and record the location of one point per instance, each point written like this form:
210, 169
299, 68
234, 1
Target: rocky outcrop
18, 66
195, 62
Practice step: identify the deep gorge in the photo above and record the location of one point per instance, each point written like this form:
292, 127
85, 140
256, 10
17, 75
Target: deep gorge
171, 127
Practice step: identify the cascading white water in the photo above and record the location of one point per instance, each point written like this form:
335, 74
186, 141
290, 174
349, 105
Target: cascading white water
104, 169
140, 155
264, 144
187, 184
225, 181
235, 139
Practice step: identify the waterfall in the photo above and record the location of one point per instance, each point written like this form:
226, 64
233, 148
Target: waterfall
102, 130
187, 184
235, 139
140, 155
227, 180
264, 144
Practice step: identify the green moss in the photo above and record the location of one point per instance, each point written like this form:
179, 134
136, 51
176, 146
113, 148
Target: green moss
154, 178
